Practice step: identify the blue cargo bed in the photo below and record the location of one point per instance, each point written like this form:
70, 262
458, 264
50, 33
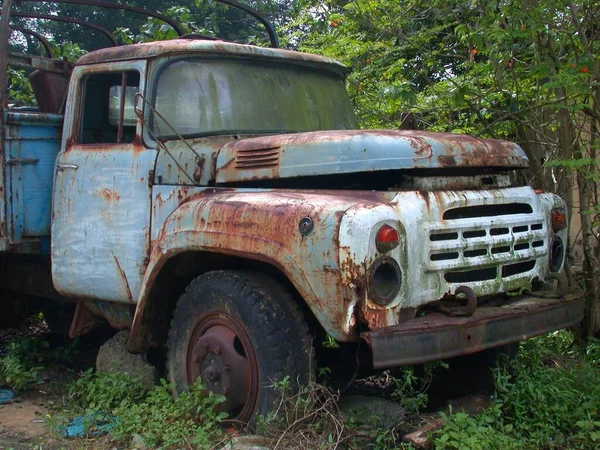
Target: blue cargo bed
31, 142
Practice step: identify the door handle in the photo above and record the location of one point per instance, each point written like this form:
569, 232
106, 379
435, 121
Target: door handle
62, 167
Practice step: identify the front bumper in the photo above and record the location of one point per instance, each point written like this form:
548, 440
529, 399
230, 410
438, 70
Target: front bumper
437, 336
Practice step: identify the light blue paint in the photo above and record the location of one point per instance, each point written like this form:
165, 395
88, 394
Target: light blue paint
335, 152
101, 226
32, 141
102, 207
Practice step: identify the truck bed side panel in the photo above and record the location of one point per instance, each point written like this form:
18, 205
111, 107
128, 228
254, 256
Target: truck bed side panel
32, 141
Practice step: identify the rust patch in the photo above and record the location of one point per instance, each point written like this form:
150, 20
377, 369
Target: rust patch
109, 195
124, 278
447, 161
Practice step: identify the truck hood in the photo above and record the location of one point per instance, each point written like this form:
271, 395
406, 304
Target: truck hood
336, 152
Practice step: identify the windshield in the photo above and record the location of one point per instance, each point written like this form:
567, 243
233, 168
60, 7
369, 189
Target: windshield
207, 97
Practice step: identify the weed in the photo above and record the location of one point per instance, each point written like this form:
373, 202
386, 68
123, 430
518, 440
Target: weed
410, 390
153, 416
330, 342
548, 399
25, 358
189, 420
104, 391
21, 364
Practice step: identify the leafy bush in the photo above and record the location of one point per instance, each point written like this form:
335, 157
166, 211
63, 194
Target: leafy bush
104, 392
190, 420
154, 416
21, 364
548, 399
410, 390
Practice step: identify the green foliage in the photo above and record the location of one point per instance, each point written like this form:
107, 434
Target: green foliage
490, 69
329, 342
68, 50
26, 357
157, 30
22, 363
410, 390
104, 392
19, 88
549, 399
190, 420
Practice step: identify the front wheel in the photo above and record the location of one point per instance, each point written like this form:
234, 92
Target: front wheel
241, 334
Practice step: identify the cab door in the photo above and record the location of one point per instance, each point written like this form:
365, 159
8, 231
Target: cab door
102, 195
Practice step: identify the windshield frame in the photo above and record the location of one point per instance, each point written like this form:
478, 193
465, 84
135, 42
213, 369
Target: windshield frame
160, 64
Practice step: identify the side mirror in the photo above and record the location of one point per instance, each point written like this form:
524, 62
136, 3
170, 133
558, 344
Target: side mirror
114, 106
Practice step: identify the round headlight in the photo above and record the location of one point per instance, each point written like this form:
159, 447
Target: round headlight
557, 254
385, 280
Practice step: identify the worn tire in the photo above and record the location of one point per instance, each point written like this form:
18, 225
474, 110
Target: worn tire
269, 334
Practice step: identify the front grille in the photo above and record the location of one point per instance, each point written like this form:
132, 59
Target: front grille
488, 246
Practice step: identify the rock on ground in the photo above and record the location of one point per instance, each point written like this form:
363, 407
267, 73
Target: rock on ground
114, 357
370, 409
248, 443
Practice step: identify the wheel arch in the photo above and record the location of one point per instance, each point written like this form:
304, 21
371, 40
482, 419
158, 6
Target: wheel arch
171, 275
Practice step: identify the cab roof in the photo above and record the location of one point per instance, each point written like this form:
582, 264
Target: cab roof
201, 47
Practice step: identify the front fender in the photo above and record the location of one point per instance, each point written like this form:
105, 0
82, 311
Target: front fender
264, 226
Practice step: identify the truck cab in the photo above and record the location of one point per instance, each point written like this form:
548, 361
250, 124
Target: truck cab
220, 202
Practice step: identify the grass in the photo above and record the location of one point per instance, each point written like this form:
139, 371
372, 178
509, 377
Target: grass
549, 398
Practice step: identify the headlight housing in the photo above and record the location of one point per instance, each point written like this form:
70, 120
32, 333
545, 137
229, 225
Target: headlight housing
385, 281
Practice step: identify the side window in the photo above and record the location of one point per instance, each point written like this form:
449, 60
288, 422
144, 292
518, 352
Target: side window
108, 108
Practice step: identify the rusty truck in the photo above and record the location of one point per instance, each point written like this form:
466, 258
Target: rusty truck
220, 202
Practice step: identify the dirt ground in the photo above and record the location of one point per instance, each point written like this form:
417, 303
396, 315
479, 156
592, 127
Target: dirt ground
25, 424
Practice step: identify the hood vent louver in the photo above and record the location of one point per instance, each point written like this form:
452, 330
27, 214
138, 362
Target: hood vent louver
257, 158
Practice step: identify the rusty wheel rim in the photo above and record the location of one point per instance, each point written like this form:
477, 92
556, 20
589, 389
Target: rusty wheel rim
221, 352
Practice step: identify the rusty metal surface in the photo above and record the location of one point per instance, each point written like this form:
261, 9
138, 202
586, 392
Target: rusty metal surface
263, 225
328, 152
437, 336
200, 47
38, 36
50, 90
221, 352
418, 216
39, 62
4, 41
83, 320
329, 266
201, 169
118, 315
102, 206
